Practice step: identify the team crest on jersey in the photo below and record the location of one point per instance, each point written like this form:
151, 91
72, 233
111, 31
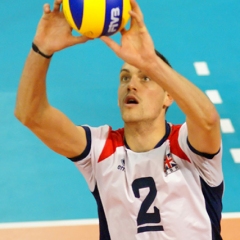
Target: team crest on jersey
170, 165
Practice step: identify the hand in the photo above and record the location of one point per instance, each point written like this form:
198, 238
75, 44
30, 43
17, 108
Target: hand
53, 32
136, 47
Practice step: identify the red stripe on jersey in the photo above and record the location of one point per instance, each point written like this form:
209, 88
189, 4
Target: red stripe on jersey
114, 140
174, 145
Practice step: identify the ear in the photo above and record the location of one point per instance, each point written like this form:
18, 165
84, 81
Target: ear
168, 100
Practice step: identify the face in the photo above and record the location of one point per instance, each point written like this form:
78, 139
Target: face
140, 98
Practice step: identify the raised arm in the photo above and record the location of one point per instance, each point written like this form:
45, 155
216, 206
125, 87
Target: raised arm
32, 107
137, 49
202, 119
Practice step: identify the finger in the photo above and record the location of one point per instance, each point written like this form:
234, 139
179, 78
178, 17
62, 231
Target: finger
136, 8
137, 19
57, 5
83, 39
46, 8
79, 39
110, 43
136, 15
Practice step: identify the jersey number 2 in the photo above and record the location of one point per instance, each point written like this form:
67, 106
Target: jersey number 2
143, 216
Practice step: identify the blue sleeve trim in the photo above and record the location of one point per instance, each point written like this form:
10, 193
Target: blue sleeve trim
103, 225
87, 149
205, 155
213, 200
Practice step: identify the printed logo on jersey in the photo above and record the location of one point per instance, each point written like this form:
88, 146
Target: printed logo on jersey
122, 165
170, 165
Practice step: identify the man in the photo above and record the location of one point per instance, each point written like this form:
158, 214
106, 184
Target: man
151, 180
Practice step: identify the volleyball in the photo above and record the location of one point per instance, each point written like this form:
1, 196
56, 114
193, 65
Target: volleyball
95, 18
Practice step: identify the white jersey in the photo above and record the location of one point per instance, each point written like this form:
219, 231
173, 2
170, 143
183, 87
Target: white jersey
171, 192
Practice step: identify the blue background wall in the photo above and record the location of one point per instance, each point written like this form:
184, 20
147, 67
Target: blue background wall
38, 184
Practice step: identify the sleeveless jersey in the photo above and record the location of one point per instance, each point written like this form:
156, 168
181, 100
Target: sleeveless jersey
171, 192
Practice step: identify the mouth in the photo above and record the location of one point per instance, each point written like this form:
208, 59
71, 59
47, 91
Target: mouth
131, 100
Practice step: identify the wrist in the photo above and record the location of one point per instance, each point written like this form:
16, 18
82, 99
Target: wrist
37, 50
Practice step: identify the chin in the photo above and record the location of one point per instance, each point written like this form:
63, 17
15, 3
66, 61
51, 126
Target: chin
131, 115
127, 118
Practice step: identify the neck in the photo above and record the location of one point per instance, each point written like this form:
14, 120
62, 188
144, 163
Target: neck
144, 136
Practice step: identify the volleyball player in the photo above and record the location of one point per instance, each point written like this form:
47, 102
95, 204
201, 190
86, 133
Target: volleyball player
151, 179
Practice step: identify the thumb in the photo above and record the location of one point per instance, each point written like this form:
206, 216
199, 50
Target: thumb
79, 39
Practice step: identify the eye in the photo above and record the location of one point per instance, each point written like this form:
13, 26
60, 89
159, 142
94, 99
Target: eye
125, 78
146, 79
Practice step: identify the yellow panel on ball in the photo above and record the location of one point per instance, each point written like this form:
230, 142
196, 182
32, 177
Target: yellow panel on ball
93, 18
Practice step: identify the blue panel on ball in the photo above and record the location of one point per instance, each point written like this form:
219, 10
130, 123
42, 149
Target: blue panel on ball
76, 7
113, 17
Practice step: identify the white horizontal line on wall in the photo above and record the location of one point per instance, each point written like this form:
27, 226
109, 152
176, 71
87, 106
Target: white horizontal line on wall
79, 222
231, 215
58, 223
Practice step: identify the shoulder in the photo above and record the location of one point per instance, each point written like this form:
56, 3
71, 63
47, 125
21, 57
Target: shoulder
177, 133
105, 132
208, 166
114, 139
103, 140
177, 138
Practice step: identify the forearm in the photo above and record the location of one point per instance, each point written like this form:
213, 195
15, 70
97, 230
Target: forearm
31, 97
191, 100
202, 119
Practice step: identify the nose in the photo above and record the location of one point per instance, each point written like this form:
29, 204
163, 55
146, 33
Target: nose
132, 84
